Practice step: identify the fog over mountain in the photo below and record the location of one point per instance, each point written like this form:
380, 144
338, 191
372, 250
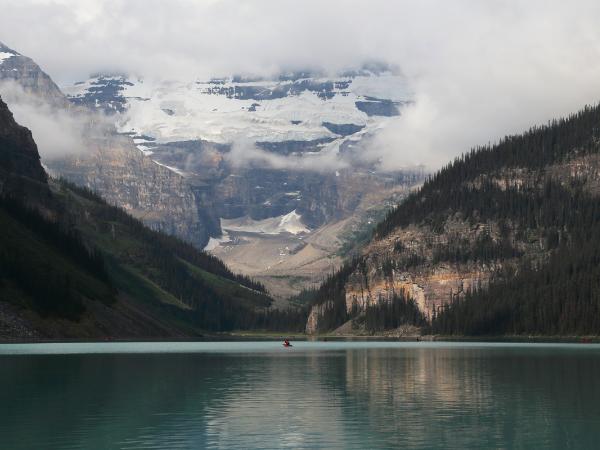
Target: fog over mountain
478, 70
59, 132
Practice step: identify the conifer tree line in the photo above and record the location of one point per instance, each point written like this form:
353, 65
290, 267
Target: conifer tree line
167, 263
393, 313
578, 134
556, 295
160, 242
562, 297
165, 260
50, 288
68, 241
331, 294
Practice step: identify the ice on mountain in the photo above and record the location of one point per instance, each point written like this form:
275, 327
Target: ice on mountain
215, 242
171, 168
5, 55
288, 223
299, 116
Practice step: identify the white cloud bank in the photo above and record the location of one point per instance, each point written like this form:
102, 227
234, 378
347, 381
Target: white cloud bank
479, 70
56, 132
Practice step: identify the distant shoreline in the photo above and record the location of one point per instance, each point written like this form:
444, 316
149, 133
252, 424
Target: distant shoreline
302, 337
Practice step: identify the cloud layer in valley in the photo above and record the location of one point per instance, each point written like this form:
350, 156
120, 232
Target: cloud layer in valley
479, 70
57, 132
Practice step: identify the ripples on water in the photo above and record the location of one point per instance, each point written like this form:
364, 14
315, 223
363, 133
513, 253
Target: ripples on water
315, 395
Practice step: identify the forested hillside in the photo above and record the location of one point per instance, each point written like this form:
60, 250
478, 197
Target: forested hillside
503, 240
72, 265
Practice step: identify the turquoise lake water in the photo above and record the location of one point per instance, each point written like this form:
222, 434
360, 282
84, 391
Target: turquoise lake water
351, 395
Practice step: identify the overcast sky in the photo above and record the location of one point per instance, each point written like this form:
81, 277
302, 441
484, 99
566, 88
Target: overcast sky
479, 69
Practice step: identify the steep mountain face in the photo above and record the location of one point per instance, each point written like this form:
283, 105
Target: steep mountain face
73, 266
291, 122
24, 71
213, 151
125, 177
20, 155
253, 149
458, 247
295, 106
110, 163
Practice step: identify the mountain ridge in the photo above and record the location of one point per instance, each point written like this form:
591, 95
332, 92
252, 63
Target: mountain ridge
262, 148
98, 271
517, 207
110, 163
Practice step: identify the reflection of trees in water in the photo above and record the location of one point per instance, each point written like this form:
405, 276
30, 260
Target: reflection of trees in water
458, 398
290, 401
424, 396
97, 401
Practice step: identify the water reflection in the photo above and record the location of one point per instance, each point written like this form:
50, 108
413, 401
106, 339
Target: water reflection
409, 397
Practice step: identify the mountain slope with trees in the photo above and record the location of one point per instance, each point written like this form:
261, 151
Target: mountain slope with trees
503, 240
71, 265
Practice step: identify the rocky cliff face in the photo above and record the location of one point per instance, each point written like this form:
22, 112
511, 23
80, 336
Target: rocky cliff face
435, 265
406, 262
19, 157
125, 177
26, 73
225, 190
111, 164
313, 323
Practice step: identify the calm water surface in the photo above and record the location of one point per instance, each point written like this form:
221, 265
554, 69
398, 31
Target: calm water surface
246, 395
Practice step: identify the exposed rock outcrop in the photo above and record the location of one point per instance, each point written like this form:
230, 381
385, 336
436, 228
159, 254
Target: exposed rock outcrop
313, 324
125, 177
27, 74
19, 157
111, 164
411, 259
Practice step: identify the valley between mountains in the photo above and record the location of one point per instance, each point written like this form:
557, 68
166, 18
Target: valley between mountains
245, 204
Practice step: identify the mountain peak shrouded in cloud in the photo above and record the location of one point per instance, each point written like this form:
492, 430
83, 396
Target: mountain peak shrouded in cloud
6, 52
478, 70
301, 120
37, 102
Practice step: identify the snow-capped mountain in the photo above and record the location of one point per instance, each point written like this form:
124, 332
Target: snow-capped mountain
108, 162
290, 113
23, 71
190, 174
286, 209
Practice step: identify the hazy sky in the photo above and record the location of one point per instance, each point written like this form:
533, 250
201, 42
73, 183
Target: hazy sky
479, 69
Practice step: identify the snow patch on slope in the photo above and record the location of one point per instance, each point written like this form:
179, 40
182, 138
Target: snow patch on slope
287, 223
245, 114
215, 242
5, 55
173, 111
171, 168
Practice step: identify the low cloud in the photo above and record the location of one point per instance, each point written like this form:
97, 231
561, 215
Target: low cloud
245, 153
485, 70
478, 70
57, 133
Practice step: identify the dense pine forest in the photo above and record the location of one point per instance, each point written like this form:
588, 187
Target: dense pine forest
560, 298
520, 186
161, 243
190, 275
401, 310
70, 263
447, 191
81, 257
49, 285
220, 300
